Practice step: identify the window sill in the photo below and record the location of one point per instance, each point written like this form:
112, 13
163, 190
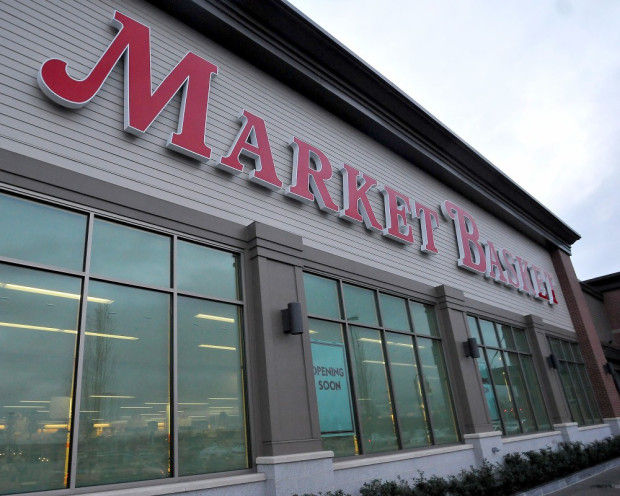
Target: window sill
400, 456
590, 427
525, 437
180, 487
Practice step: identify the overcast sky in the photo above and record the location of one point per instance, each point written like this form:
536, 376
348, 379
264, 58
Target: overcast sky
532, 85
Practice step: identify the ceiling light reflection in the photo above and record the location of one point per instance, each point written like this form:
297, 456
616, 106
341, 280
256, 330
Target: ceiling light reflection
214, 317
51, 292
217, 347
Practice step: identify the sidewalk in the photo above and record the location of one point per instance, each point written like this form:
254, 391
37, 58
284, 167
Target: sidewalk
605, 484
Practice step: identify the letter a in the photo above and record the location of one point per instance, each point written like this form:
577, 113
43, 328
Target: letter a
192, 73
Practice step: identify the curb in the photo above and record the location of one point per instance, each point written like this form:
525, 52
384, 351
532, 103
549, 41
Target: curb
568, 481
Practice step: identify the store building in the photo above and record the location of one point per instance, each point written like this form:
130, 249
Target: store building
433, 317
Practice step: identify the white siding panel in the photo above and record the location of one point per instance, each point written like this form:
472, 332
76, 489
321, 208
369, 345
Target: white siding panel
91, 141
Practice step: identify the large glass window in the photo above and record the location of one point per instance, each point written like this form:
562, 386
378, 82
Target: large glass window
144, 318
379, 370
511, 388
575, 382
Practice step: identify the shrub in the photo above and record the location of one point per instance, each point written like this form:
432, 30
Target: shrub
516, 472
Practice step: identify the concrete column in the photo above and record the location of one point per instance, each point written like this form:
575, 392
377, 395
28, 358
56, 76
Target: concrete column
297, 474
282, 383
569, 431
589, 342
471, 407
614, 425
487, 446
549, 379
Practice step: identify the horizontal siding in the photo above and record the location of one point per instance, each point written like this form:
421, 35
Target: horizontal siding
91, 141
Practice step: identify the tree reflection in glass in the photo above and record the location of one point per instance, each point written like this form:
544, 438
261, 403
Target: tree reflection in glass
212, 435
124, 415
38, 329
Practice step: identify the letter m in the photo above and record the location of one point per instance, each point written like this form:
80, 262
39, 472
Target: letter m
142, 106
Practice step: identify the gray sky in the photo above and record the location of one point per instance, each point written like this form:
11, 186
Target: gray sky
533, 85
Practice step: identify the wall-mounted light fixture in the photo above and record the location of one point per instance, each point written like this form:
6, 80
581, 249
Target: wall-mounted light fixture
552, 361
471, 348
292, 319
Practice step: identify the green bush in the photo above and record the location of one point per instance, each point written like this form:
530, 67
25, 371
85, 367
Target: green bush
517, 472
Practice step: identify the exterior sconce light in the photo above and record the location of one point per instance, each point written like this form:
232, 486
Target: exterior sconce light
553, 361
292, 319
471, 348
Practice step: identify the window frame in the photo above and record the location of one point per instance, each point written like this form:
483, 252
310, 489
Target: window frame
484, 355
382, 329
594, 415
173, 292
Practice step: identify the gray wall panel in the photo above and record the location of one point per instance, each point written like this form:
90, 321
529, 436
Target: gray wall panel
91, 141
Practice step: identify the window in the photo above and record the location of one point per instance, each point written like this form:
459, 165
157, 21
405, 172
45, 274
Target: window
379, 370
117, 340
575, 382
509, 379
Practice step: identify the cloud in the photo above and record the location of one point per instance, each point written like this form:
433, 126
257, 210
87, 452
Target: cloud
533, 86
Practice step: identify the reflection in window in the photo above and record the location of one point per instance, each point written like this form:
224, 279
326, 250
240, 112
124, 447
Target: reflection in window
407, 385
372, 389
38, 329
211, 413
127, 369
130, 254
511, 388
207, 271
41, 233
125, 391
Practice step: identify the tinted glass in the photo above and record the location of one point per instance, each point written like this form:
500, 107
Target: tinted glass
210, 387
375, 408
502, 390
589, 393
207, 271
394, 312
524, 410
125, 393
360, 305
533, 387
521, 340
406, 384
582, 398
321, 296
489, 393
506, 340
487, 329
38, 330
41, 234
320, 330
576, 352
130, 254
570, 393
423, 319
333, 389
566, 348
437, 391
473, 328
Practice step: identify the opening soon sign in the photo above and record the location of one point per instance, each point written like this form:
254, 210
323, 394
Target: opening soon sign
332, 388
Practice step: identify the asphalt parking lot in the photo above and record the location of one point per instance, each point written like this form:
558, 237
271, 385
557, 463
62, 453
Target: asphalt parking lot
605, 484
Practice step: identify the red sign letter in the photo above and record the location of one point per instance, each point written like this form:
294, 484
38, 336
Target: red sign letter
429, 221
252, 142
192, 73
511, 270
494, 267
397, 207
471, 254
309, 182
355, 186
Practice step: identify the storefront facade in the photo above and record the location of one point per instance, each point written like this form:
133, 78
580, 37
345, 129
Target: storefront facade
161, 213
